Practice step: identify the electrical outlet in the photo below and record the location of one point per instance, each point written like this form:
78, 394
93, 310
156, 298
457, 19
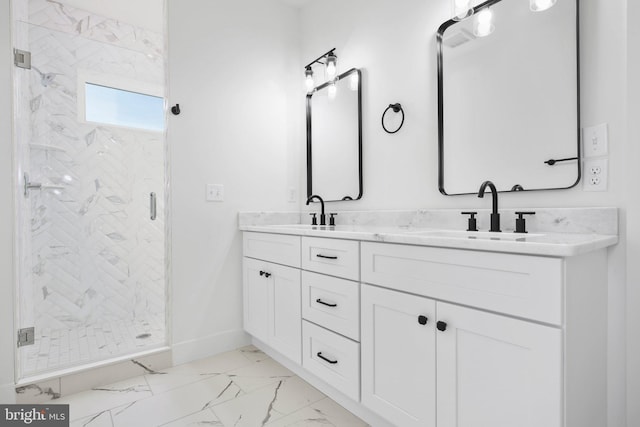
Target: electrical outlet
215, 192
292, 195
595, 174
595, 141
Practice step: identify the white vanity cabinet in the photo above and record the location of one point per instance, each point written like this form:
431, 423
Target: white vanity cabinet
271, 292
485, 369
423, 336
428, 360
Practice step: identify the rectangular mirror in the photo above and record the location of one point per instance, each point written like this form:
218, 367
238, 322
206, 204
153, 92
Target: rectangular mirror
508, 101
334, 139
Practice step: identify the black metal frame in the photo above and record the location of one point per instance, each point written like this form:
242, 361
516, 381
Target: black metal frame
309, 142
439, 38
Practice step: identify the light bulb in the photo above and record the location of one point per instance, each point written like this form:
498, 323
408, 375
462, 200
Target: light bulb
331, 65
461, 9
332, 90
540, 5
308, 72
484, 23
354, 81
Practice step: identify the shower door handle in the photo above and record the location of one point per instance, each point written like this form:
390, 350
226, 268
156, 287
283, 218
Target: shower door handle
152, 206
28, 185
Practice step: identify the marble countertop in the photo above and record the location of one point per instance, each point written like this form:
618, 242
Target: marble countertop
536, 243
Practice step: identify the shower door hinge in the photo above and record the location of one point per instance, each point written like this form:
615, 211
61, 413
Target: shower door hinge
26, 336
22, 58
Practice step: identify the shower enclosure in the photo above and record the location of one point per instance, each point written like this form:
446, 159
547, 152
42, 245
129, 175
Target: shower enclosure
89, 126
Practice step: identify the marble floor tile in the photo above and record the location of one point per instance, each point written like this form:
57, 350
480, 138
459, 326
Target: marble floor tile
268, 403
325, 412
259, 374
168, 379
41, 392
253, 353
98, 399
101, 419
202, 418
177, 403
240, 388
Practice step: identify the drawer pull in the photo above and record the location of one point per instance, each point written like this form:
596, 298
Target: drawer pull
319, 301
326, 256
333, 362
442, 326
422, 320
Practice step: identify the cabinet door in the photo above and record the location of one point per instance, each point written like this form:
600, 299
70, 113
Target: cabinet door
255, 299
398, 356
497, 371
285, 319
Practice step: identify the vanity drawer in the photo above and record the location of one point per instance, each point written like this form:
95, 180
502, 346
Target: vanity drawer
525, 286
341, 364
277, 248
331, 256
331, 302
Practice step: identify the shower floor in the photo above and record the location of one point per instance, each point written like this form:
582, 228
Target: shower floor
62, 348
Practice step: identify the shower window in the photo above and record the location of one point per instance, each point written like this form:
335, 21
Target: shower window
120, 107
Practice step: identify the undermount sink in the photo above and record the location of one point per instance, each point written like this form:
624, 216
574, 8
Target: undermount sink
460, 234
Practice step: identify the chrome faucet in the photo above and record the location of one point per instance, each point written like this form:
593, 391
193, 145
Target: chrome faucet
495, 216
323, 218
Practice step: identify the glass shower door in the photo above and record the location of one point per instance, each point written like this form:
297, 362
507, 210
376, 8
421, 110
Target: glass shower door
91, 231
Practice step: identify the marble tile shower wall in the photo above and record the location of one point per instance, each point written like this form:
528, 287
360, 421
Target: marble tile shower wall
95, 257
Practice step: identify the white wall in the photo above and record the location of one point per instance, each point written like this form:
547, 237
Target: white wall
633, 227
233, 70
7, 340
394, 42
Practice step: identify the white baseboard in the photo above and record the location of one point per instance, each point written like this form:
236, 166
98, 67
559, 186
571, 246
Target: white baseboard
346, 402
8, 393
188, 351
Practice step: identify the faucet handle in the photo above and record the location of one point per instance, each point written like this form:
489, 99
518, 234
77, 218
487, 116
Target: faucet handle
314, 220
332, 220
472, 223
521, 225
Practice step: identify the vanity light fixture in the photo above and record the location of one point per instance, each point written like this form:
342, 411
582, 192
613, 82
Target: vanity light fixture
541, 5
329, 60
483, 25
462, 9
308, 81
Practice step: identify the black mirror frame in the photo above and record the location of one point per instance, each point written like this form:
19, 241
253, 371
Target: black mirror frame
309, 142
439, 39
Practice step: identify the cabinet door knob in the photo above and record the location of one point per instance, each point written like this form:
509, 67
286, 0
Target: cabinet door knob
261, 273
442, 326
333, 362
267, 275
422, 320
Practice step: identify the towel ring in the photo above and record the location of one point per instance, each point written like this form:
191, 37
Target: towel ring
396, 108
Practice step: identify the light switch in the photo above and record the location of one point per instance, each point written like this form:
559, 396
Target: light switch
215, 192
595, 141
